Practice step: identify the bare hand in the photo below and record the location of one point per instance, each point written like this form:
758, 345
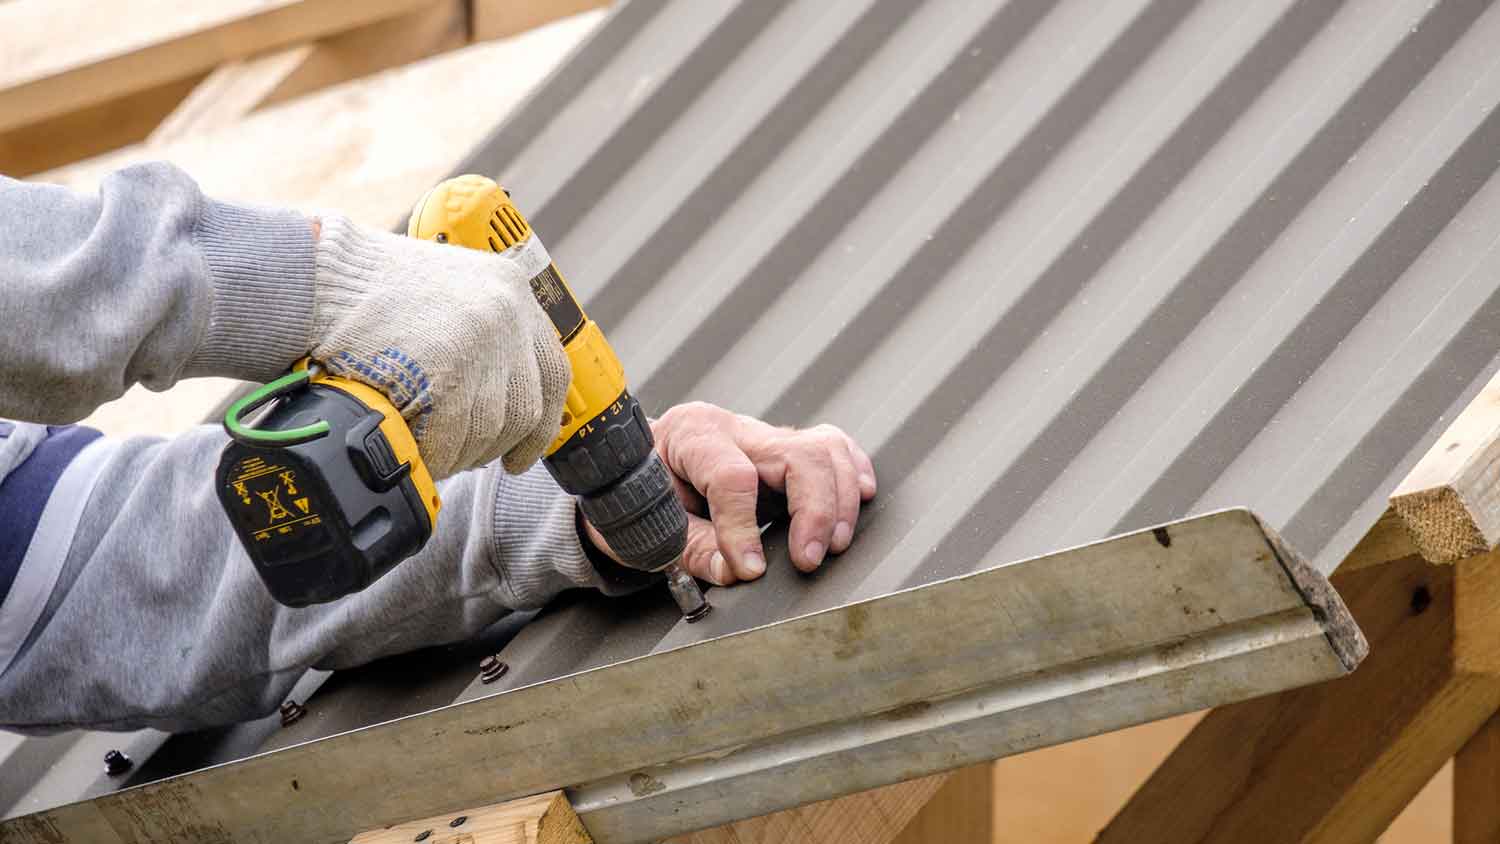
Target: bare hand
720, 459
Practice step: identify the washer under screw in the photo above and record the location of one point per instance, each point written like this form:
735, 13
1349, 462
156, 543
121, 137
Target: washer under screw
117, 763
491, 669
423, 835
291, 712
458, 821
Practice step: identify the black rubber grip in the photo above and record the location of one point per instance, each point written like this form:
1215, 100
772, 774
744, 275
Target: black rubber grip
640, 517
610, 447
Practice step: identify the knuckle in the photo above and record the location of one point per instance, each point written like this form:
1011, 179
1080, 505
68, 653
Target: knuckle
818, 518
735, 476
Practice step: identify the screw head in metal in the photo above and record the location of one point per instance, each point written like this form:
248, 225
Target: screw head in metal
491, 669
441, 237
291, 712
458, 821
423, 835
117, 763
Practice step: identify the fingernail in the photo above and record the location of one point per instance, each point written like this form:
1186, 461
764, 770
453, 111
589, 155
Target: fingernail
814, 552
866, 485
719, 568
755, 564
842, 533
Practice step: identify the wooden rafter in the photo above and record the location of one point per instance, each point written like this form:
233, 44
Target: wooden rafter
1338, 761
65, 55
1476, 787
237, 88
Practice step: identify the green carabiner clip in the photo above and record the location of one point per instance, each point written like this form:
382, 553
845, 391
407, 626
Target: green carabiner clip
237, 430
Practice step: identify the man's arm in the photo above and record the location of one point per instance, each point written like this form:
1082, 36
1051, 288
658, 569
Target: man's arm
150, 281
146, 281
132, 604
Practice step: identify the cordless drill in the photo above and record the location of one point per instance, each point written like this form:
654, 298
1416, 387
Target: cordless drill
327, 491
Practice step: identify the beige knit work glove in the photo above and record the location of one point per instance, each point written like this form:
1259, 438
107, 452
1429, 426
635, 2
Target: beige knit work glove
452, 335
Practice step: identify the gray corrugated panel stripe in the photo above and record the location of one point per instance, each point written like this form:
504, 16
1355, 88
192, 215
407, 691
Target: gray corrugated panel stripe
1066, 268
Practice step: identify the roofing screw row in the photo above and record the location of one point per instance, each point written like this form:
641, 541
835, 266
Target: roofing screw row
491, 669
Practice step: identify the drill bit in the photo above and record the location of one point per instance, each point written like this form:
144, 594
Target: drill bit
686, 593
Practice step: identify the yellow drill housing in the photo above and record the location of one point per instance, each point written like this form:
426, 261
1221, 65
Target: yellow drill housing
475, 212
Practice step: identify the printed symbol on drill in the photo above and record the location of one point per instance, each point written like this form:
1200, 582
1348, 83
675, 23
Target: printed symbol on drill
239, 489
272, 498
290, 479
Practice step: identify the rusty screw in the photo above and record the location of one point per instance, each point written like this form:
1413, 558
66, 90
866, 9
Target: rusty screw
291, 712
117, 763
491, 669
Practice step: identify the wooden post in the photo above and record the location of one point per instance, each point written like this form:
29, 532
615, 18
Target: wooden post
1476, 787
1338, 761
541, 819
876, 816
962, 811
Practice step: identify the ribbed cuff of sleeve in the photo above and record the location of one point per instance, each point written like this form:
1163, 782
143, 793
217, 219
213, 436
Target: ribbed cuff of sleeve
538, 549
262, 263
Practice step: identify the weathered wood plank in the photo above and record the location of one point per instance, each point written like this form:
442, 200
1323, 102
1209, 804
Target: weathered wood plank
1336, 762
1476, 787
1450, 502
541, 819
64, 55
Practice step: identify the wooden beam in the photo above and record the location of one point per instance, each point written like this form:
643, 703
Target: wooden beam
542, 819
65, 55
91, 131
231, 91
962, 811
367, 148
504, 18
1338, 761
1476, 787
1387, 540
876, 816
1450, 503
235, 89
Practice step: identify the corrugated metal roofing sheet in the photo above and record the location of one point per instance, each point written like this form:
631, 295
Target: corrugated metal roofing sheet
1066, 268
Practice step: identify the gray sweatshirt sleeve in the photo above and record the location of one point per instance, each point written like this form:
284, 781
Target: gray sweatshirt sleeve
146, 281
156, 617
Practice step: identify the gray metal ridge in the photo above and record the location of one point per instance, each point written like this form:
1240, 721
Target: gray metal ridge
1196, 613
